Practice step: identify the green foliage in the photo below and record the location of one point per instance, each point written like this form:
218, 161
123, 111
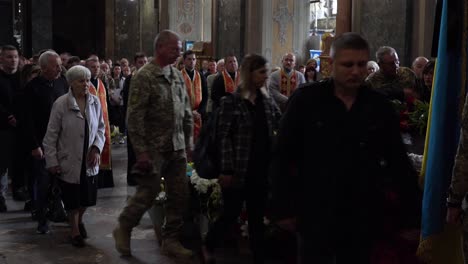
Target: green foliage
419, 117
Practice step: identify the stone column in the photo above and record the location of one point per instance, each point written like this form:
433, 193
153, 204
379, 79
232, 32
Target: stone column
230, 28
423, 27
254, 15
41, 25
148, 25
343, 17
163, 15
110, 29
130, 27
206, 14
127, 28
389, 25
6, 20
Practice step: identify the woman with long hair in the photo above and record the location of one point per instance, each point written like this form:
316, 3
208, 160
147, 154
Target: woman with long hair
246, 125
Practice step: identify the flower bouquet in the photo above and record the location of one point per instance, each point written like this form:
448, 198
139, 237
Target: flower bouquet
209, 194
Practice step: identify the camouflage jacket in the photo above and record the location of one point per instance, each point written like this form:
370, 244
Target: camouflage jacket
459, 186
392, 88
159, 112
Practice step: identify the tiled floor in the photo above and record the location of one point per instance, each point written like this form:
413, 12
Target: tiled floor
19, 244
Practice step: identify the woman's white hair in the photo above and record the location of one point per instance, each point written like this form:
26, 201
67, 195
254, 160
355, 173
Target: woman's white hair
77, 72
373, 64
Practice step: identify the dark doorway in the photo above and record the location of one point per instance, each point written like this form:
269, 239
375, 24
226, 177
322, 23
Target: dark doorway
79, 27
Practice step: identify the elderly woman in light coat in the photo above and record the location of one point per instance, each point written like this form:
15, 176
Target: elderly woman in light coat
72, 145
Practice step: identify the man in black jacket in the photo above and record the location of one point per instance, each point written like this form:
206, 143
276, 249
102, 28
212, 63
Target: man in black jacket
9, 86
41, 93
139, 60
344, 181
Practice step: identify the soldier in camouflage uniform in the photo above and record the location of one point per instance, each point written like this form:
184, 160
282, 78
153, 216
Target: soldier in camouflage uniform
459, 185
160, 125
390, 79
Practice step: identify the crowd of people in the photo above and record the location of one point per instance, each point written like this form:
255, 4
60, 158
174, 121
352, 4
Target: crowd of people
322, 156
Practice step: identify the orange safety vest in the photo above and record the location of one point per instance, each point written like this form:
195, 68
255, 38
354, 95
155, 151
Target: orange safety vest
229, 84
100, 92
194, 88
288, 83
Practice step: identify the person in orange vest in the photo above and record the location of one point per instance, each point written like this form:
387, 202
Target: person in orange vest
98, 88
227, 81
284, 82
196, 89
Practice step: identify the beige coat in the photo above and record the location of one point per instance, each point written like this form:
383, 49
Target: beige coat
63, 142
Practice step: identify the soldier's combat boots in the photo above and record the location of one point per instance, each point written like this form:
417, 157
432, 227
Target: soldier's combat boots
174, 248
122, 240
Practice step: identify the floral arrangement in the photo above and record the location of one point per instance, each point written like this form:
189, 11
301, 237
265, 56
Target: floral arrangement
209, 194
413, 114
419, 116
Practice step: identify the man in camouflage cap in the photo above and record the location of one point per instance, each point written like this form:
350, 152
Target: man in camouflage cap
160, 125
390, 79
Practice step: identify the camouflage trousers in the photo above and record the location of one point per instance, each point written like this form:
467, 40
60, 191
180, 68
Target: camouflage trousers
172, 166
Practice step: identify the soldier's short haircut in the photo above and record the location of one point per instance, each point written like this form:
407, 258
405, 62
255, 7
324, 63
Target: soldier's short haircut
77, 72
187, 53
8, 47
163, 37
44, 58
349, 40
382, 51
138, 55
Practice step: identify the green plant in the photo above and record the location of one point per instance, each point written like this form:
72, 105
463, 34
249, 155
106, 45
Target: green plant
419, 117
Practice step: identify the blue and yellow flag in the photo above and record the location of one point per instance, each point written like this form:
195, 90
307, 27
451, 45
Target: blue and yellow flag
441, 243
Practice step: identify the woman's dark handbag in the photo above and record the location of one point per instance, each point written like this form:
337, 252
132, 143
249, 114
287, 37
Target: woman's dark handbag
206, 152
55, 208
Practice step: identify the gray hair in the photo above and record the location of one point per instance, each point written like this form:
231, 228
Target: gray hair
44, 58
373, 64
77, 72
164, 36
220, 61
382, 51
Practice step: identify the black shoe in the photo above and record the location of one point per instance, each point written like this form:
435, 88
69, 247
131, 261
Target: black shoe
3, 207
34, 215
28, 206
43, 228
77, 241
82, 229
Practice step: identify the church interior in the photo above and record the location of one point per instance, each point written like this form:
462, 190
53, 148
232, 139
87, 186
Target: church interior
212, 29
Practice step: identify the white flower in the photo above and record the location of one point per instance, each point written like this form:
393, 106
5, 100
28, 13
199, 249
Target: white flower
200, 184
245, 229
161, 196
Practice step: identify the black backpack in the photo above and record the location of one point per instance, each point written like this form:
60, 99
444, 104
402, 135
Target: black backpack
206, 156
